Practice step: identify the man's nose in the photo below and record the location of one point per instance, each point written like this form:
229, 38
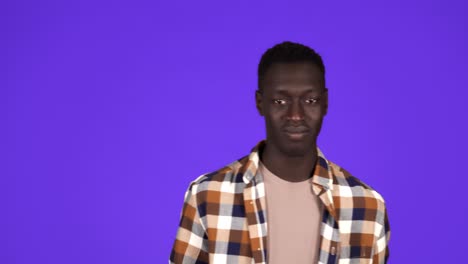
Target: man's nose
295, 111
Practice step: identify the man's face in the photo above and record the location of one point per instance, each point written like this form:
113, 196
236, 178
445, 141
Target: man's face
294, 101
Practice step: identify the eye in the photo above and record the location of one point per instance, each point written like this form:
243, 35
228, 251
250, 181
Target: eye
279, 101
312, 100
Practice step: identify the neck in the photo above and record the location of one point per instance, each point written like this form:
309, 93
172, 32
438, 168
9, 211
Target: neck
289, 168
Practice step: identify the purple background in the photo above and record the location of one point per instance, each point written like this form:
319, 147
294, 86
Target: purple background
109, 109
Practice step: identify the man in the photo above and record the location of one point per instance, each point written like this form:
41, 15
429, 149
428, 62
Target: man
284, 202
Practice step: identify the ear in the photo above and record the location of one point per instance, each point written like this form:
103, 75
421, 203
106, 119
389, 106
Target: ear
325, 102
259, 102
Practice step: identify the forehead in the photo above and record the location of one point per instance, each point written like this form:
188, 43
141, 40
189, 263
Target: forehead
293, 77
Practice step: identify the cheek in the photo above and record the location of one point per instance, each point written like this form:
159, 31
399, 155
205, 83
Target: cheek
315, 117
315, 114
274, 118
273, 123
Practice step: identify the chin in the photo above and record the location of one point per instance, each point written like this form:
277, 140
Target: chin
296, 149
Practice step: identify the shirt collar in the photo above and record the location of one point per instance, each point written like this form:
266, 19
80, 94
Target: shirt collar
322, 173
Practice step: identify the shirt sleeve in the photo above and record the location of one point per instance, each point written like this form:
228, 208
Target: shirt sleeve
382, 251
191, 244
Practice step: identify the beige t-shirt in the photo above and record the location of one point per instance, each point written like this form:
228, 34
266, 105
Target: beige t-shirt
294, 215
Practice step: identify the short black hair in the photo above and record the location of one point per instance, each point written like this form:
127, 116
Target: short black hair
288, 52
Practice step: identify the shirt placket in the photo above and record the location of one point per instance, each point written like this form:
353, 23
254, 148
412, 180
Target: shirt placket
253, 208
325, 195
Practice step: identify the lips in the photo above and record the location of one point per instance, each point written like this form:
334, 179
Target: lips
296, 133
296, 130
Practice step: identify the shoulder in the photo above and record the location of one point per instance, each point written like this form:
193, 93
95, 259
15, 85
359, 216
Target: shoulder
222, 179
348, 185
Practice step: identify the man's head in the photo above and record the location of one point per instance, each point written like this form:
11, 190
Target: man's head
292, 97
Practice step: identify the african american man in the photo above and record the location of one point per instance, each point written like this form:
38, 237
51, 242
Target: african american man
284, 202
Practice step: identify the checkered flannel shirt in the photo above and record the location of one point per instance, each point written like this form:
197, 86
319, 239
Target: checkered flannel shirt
224, 218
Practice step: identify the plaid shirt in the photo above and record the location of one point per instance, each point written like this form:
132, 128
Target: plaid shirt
224, 218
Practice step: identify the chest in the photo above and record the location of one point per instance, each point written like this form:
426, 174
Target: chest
237, 230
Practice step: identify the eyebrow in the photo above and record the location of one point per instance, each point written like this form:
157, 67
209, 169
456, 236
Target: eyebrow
285, 92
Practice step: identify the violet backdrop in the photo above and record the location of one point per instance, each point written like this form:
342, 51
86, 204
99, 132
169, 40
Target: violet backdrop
110, 108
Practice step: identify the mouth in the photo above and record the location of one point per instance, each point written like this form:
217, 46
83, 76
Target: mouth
296, 133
